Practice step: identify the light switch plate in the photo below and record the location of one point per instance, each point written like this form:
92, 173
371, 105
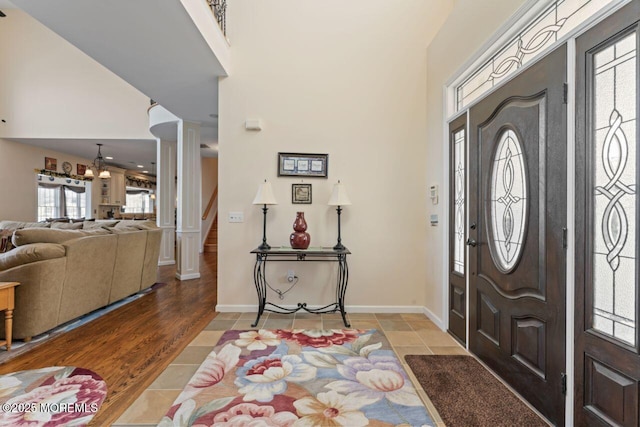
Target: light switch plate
236, 216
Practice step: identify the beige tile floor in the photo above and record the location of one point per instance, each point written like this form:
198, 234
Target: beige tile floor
407, 333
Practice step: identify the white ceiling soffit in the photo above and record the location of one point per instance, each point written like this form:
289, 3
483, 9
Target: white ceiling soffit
152, 44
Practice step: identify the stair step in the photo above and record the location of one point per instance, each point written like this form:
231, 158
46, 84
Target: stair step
211, 243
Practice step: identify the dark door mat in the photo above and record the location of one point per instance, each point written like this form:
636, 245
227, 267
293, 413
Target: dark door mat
466, 394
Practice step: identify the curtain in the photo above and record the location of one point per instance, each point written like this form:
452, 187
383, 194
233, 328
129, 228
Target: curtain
77, 190
62, 196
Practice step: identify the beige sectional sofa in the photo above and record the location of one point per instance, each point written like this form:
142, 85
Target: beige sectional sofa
66, 273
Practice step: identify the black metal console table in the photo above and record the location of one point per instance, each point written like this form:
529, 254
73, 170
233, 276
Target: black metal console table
311, 254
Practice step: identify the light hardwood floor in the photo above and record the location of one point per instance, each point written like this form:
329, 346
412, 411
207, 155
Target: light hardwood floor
130, 346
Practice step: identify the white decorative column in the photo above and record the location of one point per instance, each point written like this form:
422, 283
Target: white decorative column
166, 200
189, 201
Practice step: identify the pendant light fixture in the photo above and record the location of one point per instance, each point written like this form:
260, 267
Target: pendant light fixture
99, 165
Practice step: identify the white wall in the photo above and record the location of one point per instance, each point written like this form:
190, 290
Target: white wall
18, 187
469, 25
344, 78
50, 89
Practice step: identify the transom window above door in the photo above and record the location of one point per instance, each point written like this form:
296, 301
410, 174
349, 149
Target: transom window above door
521, 44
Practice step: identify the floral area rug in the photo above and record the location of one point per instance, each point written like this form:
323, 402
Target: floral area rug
54, 396
338, 377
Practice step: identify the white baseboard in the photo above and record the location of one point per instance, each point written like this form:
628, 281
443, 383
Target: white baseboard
231, 308
171, 262
383, 309
435, 319
187, 276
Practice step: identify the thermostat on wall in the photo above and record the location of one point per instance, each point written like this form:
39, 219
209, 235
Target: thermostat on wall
433, 194
434, 220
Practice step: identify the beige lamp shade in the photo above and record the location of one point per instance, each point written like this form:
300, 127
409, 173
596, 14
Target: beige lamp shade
265, 195
105, 174
339, 196
89, 173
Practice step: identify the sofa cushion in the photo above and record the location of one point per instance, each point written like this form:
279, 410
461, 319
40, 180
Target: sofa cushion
63, 219
90, 225
140, 225
120, 230
17, 225
35, 235
30, 253
67, 225
5, 240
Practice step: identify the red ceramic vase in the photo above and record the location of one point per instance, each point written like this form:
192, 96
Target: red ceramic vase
300, 239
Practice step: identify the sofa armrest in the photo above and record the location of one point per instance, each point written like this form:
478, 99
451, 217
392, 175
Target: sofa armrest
30, 253
37, 298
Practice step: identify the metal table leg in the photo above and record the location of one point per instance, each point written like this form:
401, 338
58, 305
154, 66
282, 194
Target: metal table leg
341, 286
260, 282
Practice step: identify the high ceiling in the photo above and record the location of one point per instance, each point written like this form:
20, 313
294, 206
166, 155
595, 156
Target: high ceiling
147, 48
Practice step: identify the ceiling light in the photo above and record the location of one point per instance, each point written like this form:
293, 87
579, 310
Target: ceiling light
109, 158
99, 165
140, 166
145, 171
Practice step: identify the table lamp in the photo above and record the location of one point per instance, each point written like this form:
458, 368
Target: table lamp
339, 198
265, 197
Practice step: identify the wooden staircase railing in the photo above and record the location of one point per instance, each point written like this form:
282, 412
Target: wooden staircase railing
211, 242
214, 196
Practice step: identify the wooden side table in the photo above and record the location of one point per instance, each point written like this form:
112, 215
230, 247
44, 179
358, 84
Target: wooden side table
7, 303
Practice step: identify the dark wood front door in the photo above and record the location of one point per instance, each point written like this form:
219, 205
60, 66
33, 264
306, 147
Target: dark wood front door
607, 373
517, 202
458, 228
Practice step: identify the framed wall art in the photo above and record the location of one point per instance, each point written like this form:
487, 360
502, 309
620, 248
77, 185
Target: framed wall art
301, 194
308, 165
50, 164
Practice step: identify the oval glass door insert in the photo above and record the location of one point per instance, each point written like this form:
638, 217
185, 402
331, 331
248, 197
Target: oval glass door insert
508, 202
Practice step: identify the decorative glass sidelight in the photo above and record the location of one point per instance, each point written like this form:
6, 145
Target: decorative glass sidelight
508, 202
614, 194
459, 201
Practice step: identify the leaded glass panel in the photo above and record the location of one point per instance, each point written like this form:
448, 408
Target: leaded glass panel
459, 194
561, 17
508, 201
615, 290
